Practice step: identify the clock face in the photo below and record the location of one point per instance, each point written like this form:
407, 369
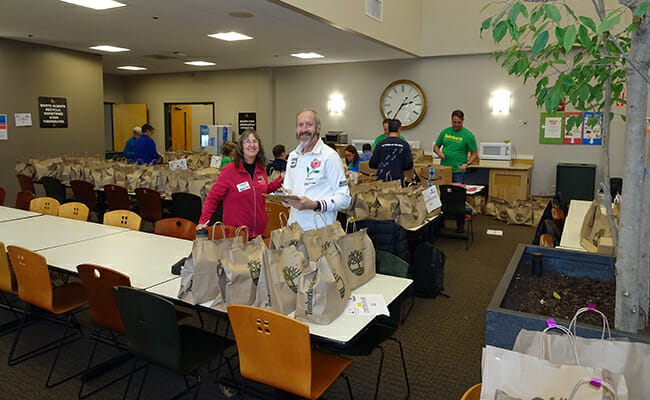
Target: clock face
403, 100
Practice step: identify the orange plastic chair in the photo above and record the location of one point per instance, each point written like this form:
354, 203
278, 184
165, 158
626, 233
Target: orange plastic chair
45, 205
74, 210
117, 197
3, 193
275, 212
266, 338
176, 227
7, 280
473, 393
123, 219
24, 199
35, 289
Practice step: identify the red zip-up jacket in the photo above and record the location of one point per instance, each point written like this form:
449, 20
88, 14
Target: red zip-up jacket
243, 203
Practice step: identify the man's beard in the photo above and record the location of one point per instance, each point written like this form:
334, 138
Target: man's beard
306, 139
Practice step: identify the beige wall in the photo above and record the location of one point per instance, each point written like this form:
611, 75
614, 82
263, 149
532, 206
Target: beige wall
113, 89
401, 25
201, 115
28, 71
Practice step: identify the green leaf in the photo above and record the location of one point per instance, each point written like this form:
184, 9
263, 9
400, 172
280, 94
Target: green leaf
583, 92
623, 117
569, 37
540, 43
632, 27
517, 9
552, 12
607, 24
552, 101
585, 40
499, 31
534, 17
486, 6
559, 34
588, 22
570, 11
486, 24
641, 9
514, 34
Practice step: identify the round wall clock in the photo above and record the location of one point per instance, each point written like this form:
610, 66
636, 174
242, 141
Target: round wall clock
403, 100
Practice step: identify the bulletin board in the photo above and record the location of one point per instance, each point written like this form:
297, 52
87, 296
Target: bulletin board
551, 128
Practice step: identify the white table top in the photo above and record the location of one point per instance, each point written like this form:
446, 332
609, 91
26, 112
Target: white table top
146, 258
572, 224
345, 327
10, 214
48, 231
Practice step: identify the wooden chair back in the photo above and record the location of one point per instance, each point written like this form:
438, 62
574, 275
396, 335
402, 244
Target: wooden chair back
3, 194
24, 199
149, 204
123, 219
273, 349
45, 205
117, 197
32, 276
84, 192
26, 183
220, 231
176, 227
546, 240
7, 276
74, 210
278, 214
98, 283
473, 393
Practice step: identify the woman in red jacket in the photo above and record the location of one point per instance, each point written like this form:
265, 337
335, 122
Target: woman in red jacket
241, 185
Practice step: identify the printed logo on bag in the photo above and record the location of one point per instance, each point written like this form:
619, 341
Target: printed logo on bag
356, 258
290, 274
414, 213
519, 217
598, 235
293, 242
254, 267
393, 207
309, 302
325, 245
503, 215
340, 284
315, 164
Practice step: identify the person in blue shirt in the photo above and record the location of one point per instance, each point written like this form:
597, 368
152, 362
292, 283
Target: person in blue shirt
129, 148
367, 152
145, 147
392, 156
352, 158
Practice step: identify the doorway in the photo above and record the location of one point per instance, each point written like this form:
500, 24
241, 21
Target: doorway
182, 124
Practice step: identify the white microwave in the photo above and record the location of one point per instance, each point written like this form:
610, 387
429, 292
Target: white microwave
494, 151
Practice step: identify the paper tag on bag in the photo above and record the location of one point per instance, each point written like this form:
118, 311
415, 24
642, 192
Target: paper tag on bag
431, 198
215, 162
178, 164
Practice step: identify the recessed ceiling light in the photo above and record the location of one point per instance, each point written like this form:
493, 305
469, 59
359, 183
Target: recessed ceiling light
110, 49
230, 36
96, 4
200, 63
132, 68
307, 55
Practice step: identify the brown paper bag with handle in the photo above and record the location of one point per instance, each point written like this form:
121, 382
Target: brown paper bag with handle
316, 241
286, 236
358, 257
241, 271
279, 278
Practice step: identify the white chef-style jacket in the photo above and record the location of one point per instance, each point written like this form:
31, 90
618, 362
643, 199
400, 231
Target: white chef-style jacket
318, 175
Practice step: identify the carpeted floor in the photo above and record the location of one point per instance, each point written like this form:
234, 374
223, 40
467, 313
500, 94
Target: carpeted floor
442, 338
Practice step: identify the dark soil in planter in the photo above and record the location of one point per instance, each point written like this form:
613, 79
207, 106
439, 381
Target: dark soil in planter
539, 295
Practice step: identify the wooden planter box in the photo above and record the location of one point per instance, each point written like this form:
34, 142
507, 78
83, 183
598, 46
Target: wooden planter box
503, 325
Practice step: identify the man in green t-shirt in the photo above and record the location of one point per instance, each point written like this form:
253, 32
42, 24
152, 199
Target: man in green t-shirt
384, 135
456, 142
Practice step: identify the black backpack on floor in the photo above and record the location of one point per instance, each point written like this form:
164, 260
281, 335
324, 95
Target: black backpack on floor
428, 270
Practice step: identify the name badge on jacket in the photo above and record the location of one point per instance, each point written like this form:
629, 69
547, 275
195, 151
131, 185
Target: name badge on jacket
243, 186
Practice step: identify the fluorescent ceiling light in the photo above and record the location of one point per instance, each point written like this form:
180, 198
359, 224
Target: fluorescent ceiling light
200, 63
307, 55
96, 4
131, 68
110, 49
230, 36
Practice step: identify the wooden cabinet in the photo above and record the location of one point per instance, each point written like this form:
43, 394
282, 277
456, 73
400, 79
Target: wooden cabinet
510, 183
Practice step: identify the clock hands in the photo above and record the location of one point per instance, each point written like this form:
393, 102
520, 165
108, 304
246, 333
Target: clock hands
405, 102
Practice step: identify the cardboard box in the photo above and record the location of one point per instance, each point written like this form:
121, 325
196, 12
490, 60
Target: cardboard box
440, 175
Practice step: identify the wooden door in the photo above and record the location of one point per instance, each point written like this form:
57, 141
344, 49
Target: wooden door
125, 117
181, 124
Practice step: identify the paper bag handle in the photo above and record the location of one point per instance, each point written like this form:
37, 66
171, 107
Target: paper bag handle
354, 224
214, 228
240, 229
596, 383
591, 307
316, 219
569, 334
284, 219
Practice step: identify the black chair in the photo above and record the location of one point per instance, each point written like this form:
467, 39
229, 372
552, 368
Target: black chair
154, 335
452, 198
187, 205
53, 188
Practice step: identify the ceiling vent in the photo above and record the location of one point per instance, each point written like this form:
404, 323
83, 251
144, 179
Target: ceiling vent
375, 9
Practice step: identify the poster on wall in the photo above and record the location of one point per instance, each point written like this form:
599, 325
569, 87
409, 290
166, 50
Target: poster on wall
247, 121
593, 126
3, 127
573, 135
551, 126
52, 112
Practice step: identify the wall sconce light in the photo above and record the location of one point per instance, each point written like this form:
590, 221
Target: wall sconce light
500, 102
336, 104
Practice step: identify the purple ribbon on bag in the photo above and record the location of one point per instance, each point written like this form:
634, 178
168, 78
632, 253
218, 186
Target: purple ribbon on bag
591, 307
597, 383
551, 323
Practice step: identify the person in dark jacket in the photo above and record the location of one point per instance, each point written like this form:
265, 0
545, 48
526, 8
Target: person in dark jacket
280, 160
241, 185
392, 156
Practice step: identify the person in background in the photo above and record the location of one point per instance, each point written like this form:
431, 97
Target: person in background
280, 160
392, 156
129, 147
145, 147
384, 135
316, 175
240, 186
228, 151
456, 141
352, 158
366, 152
